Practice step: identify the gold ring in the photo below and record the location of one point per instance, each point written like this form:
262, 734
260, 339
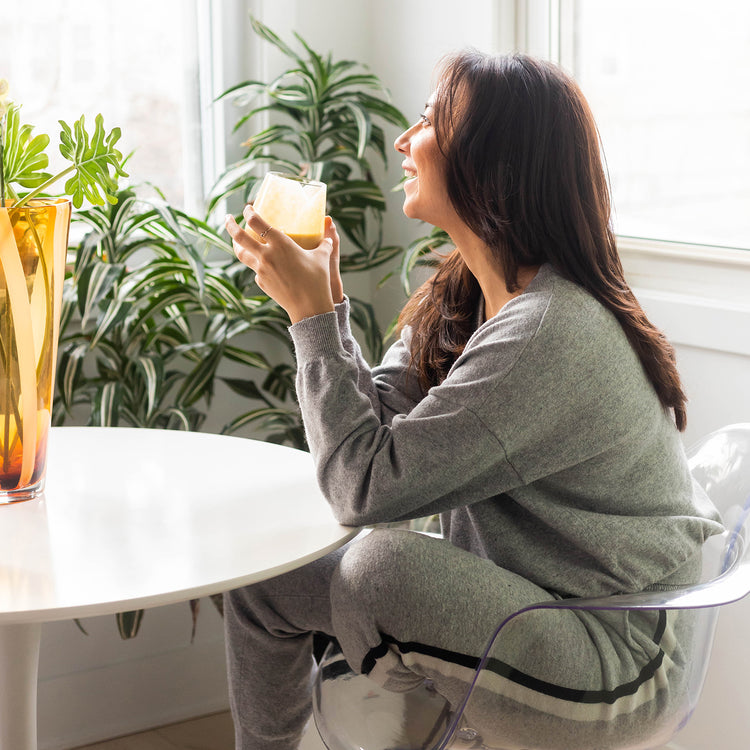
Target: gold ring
264, 232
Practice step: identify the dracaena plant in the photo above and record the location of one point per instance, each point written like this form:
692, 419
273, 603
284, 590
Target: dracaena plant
149, 318
323, 119
93, 172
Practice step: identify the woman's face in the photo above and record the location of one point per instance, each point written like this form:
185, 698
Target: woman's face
425, 190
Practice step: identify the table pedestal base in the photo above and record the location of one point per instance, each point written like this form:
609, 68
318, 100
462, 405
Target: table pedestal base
19, 666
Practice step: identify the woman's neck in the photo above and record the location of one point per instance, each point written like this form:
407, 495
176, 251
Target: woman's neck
484, 266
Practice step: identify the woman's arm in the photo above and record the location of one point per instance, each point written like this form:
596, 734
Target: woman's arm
392, 386
380, 457
437, 456
306, 283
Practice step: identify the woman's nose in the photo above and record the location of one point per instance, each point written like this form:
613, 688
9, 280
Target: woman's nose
401, 144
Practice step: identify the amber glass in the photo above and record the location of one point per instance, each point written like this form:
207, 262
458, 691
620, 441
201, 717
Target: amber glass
33, 244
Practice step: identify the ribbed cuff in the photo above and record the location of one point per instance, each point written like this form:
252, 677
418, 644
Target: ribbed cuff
316, 336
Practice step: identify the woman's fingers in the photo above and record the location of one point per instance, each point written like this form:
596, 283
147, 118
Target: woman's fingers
337, 287
299, 280
245, 244
330, 232
258, 224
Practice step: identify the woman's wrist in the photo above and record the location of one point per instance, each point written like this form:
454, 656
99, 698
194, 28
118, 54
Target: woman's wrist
315, 336
310, 308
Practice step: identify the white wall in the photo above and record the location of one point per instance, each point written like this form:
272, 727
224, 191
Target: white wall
700, 298
97, 686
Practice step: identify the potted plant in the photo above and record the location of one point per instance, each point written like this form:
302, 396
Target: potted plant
33, 240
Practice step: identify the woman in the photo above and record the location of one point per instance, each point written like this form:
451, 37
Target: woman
528, 401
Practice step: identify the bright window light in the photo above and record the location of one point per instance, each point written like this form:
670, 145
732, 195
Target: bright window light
669, 84
135, 62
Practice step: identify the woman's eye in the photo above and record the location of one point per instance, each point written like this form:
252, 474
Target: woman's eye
424, 119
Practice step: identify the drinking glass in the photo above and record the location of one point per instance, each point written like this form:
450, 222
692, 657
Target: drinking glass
295, 206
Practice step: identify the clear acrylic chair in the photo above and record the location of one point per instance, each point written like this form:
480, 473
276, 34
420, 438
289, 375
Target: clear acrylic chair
352, 712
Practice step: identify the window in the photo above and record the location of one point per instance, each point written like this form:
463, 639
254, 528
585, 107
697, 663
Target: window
668, 82
135, 62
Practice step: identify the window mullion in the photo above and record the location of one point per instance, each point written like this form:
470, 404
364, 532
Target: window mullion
538, 28
225, 60
566, 47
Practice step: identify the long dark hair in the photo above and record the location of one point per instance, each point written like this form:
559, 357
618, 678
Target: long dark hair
525, 173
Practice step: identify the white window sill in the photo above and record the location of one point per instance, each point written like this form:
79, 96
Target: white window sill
699, 295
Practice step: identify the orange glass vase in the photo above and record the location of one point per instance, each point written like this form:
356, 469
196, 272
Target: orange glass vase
33, 245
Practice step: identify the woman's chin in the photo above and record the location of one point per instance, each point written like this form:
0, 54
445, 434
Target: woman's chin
410, 209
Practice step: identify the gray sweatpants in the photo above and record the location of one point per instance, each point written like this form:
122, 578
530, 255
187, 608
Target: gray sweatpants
404, 606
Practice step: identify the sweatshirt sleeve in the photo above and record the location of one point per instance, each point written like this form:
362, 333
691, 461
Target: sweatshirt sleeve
375, 468
392, 386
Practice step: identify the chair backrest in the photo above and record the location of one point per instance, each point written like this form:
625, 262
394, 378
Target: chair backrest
720, 463
353, 712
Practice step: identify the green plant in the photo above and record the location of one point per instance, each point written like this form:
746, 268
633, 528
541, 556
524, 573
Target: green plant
152, 317
95, 163
422, 252
321, 119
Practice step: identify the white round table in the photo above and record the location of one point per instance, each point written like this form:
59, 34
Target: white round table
135, 518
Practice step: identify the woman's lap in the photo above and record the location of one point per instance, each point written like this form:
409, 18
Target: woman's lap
405, 606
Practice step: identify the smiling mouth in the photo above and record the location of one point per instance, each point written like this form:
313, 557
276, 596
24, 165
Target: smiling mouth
409, 173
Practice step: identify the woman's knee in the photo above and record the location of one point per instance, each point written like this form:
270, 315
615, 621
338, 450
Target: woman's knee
380, 558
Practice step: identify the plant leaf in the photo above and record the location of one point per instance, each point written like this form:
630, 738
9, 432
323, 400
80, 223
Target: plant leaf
109, 400
363, 314
24, 157
266, 33
198, 384
245, 388
129, 623
93, 157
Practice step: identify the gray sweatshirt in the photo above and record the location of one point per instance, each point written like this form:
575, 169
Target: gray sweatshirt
545, 450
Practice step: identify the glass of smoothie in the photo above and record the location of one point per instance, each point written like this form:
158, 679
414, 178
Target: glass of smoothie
295, 206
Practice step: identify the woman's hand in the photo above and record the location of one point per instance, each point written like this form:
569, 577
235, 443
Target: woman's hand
303, 282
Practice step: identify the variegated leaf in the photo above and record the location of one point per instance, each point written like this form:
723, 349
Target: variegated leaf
108, 405
95, 284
